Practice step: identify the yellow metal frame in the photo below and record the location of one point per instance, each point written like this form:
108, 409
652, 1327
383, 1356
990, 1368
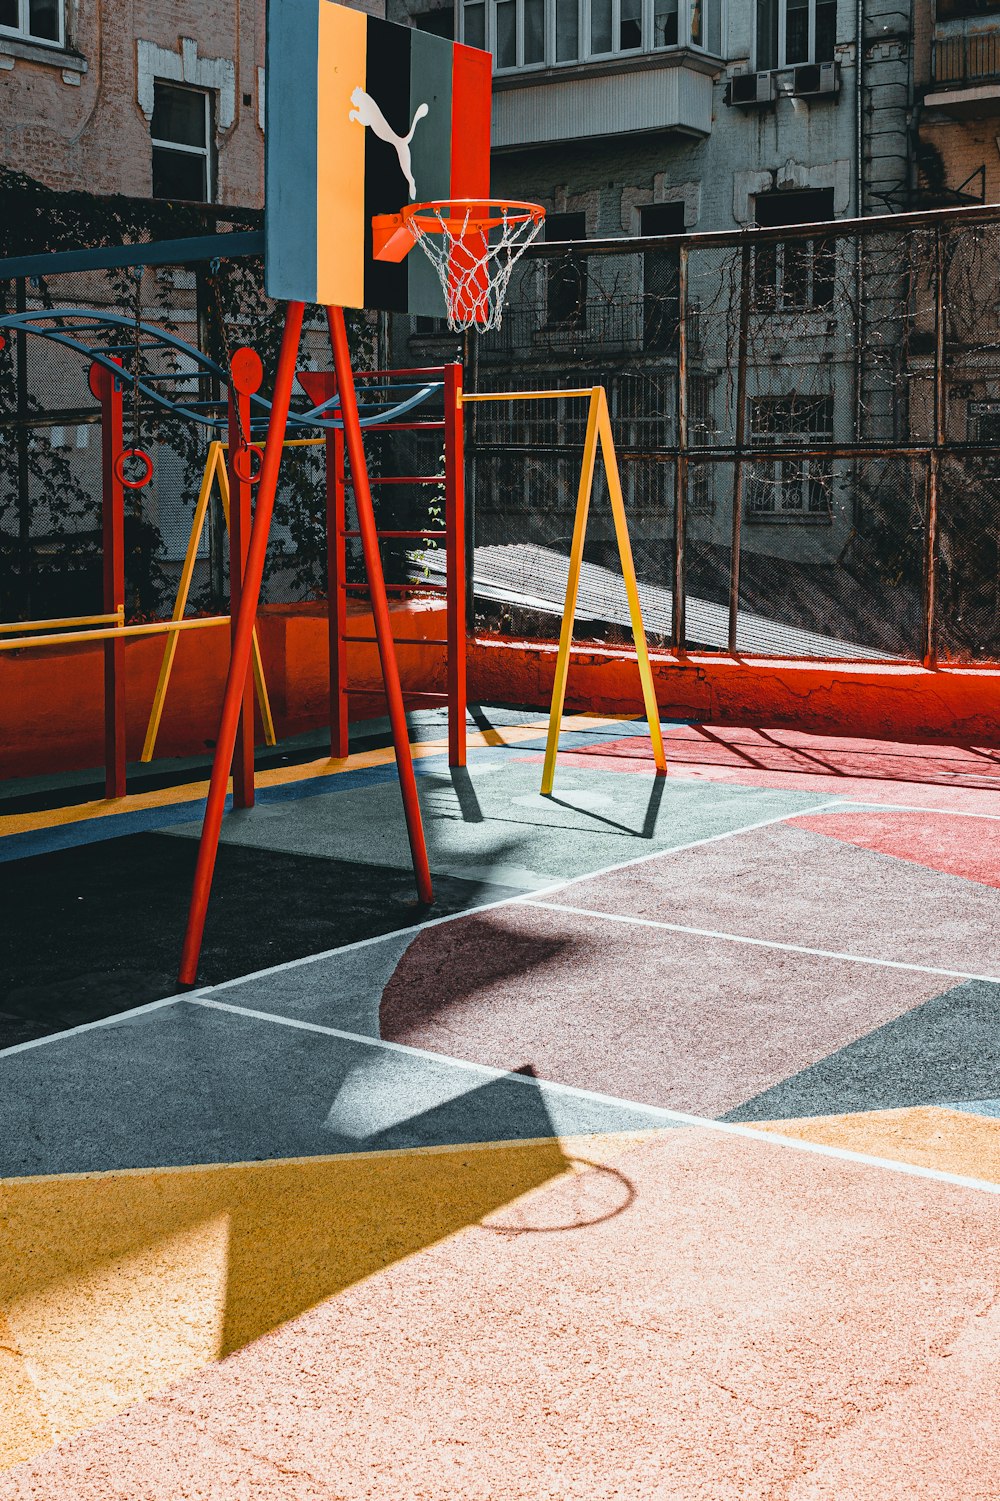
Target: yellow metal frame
215, 469
73, 638
598, 434
63, 622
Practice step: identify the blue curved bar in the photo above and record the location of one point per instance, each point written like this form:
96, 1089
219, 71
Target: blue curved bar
50, 323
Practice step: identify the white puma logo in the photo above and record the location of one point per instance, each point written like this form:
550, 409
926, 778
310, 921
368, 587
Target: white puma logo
367, 112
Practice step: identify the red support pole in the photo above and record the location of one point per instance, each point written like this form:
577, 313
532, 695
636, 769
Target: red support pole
454, 470
108, 391
336, 567
320, 386
247, 374
242, 638
379, 601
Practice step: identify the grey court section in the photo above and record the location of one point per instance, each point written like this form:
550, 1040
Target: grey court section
342, 989
489, 821
976, 1107
946, 1049
184, 1085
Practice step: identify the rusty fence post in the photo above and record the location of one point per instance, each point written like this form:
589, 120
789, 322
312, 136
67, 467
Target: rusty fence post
934, 459
739, 440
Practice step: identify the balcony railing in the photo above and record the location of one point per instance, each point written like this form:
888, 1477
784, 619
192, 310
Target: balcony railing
972, 57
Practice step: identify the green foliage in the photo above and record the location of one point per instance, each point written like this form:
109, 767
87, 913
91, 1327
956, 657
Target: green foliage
36, 220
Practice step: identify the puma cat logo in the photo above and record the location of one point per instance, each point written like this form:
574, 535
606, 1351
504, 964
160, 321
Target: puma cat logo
367, 112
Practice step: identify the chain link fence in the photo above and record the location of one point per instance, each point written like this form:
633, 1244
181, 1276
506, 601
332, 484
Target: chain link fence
50, 438
808, 431
807, 423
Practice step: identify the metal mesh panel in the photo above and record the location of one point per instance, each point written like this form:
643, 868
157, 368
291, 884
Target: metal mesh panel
50, 443
820, 404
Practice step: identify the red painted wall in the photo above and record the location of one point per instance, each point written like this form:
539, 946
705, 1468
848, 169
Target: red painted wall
52, 716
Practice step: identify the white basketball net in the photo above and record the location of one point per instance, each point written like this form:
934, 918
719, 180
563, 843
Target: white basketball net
474, 264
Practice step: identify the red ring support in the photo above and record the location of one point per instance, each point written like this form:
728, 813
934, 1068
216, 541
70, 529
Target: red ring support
145, 476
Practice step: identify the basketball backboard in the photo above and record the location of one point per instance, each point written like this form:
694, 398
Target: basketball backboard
363, 117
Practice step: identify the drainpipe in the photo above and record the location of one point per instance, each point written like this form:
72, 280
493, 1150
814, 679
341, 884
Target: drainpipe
859, 73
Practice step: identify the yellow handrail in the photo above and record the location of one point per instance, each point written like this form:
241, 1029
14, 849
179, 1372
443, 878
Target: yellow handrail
63, 620
464, 399
154, 628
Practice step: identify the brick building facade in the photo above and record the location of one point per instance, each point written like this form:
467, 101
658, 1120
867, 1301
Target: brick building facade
77, 109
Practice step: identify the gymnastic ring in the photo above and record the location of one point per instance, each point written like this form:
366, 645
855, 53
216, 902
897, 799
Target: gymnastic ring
147, 471
243, 465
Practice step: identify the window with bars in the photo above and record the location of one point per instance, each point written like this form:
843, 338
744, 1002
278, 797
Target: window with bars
660, 268
791, 488
181, 131
34, 21
547, 33
794, 31
795, 274
963, 10
566, 278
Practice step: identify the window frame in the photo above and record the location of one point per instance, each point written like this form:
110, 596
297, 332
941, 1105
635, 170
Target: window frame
561, 276
809, 475
180, 148
22, 33
781, 47
796, 262
585, 52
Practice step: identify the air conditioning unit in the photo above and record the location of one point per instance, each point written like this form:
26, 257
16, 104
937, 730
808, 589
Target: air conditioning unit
749, 89
816, 78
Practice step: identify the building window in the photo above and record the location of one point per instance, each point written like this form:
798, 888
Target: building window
795, 31
545, 33
965, 10
659, 276
34, 20
791, 488
437, 23
566, 277
181, 129
794, 274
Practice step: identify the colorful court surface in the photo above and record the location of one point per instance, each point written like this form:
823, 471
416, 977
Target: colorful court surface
659, 1159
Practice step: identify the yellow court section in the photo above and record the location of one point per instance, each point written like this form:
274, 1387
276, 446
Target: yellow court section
948, 1141
114, 1285
340, 157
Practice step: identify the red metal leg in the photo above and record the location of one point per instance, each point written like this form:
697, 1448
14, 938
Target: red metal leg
107, 388
247, 374
239, 661
454, 469
380, 604
336, 564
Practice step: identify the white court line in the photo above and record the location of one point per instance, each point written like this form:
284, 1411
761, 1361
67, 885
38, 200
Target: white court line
521, 896
102, 1021
764, 943
417, 928
660, 1112
862, 807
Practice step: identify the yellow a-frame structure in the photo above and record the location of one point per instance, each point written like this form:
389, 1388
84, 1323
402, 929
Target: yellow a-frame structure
215, 470
599, 434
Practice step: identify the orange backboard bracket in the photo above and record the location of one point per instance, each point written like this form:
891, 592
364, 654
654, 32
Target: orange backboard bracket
392, 238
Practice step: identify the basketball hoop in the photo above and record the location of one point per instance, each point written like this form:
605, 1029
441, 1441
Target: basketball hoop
473, 245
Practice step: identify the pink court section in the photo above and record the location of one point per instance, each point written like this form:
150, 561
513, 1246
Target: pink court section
643, 1014
968, 847
745, 1323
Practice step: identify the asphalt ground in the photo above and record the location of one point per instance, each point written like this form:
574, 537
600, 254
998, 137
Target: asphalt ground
660, 1158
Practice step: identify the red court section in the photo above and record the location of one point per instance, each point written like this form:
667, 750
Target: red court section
925, 775
957, 846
